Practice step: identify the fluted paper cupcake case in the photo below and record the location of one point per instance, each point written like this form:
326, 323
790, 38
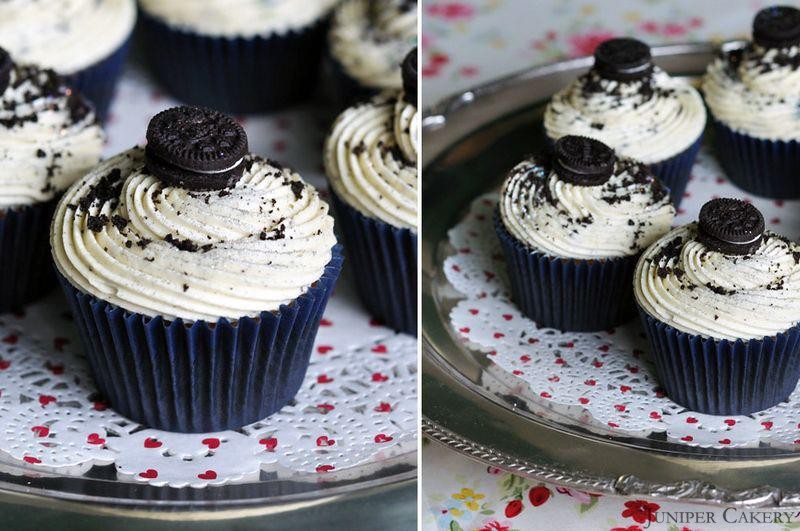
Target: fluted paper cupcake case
235, 74
98, 82
564, 293
383, 260
200, 376
767, 168
722, 377
26, 269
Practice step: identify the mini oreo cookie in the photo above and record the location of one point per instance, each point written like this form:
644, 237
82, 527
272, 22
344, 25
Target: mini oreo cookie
583, 161
196, 148
409, 70
731, 226
623, 59
777, 27
6, 65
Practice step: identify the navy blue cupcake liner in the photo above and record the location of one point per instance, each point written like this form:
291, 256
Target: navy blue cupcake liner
235, 74
767, 168
568, 294
98, 82
721, 377
674, 172
26, 270
383, 259
200, 377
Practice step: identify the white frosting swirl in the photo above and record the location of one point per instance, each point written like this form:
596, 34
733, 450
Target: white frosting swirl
122, 236
371, 159
618, 218
758, 94
238, 17
649, 120
703, 292
48, 137
370, 38
66, 35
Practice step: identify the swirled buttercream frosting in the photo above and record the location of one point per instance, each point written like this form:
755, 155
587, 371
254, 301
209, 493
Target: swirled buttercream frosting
649, 119
369, 39
683, 283
49, 137
121, 235
620, 217
65, 35
371, 159
756, 91
238, 17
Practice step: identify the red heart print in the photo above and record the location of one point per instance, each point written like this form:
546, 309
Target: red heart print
525, 358
767, 425
32, 460
613, 424
325, 322
208, 475
324, 379
603, 348
323, 440
95, 438
492, 353
499, 335
41, 431
464, 330
378, 377
554, 379
507, 316
270, 443
383, 407
619, 407
212, 442
44, 400
383, 438
545, 394
583, 400
325, 468
379, 349
11, 339
325, 408
324, 349
150, 442
590, 382
597, 364
691, 420
517, 372
4, 364
724, 441
560, 361
532, 340
730, 422
100, 406
59, 342
633, 369
687, 438
473, 311
655, 415
625, 388
149, 474
569, 344
56, 369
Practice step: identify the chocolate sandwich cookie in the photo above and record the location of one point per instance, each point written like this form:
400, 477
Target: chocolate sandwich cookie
623, 59
731, 226
196, 148
409, 70
583, 161
777, 27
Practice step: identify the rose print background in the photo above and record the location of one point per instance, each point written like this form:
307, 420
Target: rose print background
465, 43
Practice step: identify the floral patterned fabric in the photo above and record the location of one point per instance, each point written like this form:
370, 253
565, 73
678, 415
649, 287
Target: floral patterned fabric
468, 42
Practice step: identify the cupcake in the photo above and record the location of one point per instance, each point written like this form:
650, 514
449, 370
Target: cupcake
84, 40
250, 57
371, 162
753, 94
572, 225
367, 40
49, 137
636, 108
720, 301
197, 274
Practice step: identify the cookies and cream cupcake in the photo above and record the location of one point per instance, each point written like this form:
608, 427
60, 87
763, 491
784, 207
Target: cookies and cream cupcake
367, 40
250, 57
720, 299
753, 94
572, 225
84, 40
371, 159
49, 137
194, 248
633, 106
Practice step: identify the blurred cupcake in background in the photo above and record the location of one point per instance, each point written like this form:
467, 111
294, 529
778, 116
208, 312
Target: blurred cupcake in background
628, 103
753, 94
371, 162
49, 138
84, 40
197, 274
247, 56
367, 40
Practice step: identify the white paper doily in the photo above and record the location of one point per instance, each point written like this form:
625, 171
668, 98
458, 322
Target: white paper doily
602, 380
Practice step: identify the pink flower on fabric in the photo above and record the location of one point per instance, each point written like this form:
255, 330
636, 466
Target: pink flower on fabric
451, 10
586, 43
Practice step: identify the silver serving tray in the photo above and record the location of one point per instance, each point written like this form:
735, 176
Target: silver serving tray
464, 407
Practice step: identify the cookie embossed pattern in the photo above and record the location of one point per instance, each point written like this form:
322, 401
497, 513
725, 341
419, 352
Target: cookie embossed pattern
602, 381
357, 405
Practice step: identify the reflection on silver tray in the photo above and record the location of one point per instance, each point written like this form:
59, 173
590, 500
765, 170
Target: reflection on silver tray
502, 427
